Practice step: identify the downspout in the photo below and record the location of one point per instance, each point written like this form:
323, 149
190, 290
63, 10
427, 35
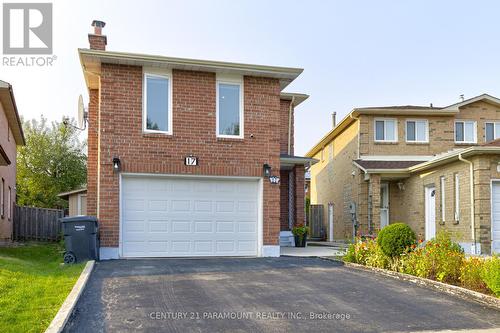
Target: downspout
472, 210
290, 126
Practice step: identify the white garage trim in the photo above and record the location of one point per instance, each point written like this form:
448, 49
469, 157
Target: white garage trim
259, 180
492, 221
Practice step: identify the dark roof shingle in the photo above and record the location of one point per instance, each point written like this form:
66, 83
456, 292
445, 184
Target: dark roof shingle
386, 164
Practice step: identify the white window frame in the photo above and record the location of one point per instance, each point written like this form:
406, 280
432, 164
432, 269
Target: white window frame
494, 123
396, 134
2, 198
464, 121
163, 75
9, 204
443, 198
457, 197
426, 130
232, 80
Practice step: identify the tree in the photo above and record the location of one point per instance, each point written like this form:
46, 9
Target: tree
52, 161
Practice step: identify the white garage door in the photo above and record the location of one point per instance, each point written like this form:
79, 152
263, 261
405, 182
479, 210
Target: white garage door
495, 218
175, 217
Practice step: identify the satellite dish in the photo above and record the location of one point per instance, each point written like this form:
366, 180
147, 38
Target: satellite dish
82, 115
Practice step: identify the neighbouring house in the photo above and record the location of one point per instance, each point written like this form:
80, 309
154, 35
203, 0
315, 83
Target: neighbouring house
434, 168
77, 201
11, 136
190, 157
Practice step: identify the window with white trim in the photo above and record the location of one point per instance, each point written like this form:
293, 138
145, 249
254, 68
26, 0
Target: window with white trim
9, 204
417, 131
230, 108
443, 198
491, 131
465, 131
157, 103
386, 130
2, 199
457, 197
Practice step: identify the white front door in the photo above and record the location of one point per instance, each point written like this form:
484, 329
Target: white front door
495, 217
384, 205
430, 212
176, 217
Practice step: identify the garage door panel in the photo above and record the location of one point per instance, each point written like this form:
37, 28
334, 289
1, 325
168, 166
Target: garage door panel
188, 217
224, 206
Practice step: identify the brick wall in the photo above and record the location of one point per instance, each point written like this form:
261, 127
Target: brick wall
299, 196
284, 200
332, 181
8, 174
284, 116
441, 132
92, 151
194, 123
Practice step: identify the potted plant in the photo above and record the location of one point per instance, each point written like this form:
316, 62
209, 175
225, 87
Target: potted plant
300, 232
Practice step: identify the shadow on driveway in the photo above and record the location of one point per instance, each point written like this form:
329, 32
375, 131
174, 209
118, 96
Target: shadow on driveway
263, 295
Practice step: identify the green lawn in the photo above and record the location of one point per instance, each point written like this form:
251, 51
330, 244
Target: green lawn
33, 285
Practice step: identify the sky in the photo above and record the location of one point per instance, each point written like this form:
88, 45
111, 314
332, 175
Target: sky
354, 53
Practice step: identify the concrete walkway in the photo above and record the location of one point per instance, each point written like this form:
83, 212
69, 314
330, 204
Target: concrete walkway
311, 251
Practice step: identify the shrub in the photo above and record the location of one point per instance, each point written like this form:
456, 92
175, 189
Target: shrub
491, 274
470, 274
395, 239
439, 259
366, 253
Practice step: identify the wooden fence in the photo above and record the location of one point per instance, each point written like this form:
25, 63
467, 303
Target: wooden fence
316, 222
32, 223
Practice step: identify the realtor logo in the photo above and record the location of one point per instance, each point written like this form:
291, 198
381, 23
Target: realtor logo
27, 28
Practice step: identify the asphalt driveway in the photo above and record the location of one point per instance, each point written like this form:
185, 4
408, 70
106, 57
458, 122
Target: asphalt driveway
263, 295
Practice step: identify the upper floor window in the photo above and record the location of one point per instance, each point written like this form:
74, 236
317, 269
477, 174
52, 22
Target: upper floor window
230, 108
492, 131
157, 104
465, 131
417, 131
330, 153
386, 130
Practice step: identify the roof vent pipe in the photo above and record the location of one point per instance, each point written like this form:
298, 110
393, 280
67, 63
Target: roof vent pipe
334, 119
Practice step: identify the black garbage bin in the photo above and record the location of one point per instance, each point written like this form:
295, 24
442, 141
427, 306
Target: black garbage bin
81, 238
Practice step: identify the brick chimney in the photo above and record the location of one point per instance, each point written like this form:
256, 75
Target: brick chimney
97, 40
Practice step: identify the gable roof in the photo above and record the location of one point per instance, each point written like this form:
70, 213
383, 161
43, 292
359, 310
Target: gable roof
407, 110
484, 97
91, 63
10, 108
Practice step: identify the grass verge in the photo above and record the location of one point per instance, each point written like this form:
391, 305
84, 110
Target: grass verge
33, 285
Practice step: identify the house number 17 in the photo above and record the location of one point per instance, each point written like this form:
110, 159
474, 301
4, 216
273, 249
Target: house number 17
191, 160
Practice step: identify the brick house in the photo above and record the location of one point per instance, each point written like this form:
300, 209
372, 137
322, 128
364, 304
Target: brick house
434, 168
11, 136
184, 155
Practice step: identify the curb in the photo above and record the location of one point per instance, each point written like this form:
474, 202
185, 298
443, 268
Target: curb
463, 293
62, 316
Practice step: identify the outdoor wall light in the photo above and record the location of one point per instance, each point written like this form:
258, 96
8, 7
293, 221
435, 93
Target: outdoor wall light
266, 168
117, 164
401, 186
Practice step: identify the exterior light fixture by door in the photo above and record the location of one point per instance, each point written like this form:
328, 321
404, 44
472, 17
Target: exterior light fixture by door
117, 164
266, 168
401, 186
